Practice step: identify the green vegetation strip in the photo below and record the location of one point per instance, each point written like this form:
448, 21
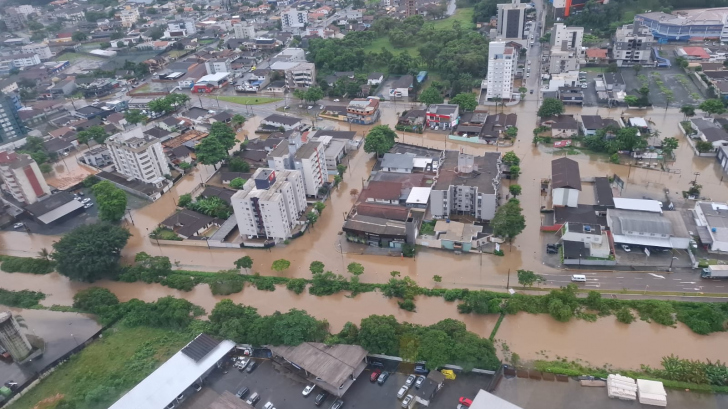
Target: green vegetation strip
29, 265
248, 100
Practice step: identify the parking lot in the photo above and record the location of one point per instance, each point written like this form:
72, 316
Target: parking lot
662, 82
282, 385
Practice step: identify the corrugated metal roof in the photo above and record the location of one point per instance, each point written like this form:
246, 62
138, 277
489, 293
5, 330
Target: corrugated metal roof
565, 174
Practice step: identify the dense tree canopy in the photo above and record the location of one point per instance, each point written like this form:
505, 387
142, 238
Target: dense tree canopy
111, 201
508, 221
379, 140
90, 252
551, 107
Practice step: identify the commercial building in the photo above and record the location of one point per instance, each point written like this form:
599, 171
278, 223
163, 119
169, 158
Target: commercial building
363, 111
9, 62
685, 25
712, 221
276, 121
180, 28
11, 126
138, 156
586, 237
445, 116
642, 223
22, 178
565, 182
270, 204
244, 30
293, 20
466, 184
218, 65
632, 45
566, 48
43, 51
176, 377
502, 61
296, 74
55, 209
511, 20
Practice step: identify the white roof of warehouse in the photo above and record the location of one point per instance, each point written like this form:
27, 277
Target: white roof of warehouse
419, 195
644, 205
163, 386
485, 400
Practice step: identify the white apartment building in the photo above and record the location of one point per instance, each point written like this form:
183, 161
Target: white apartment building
566, 48
19, 61
22, 178
270, 204
633, 45
218, 65
180, 28
511, 20
138, 156
310, 159
43, 51
25, 9
293, 20
244, 30
501, 70
129, 16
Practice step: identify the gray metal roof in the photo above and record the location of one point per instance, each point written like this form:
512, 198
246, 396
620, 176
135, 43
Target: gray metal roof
400, 161
635, 222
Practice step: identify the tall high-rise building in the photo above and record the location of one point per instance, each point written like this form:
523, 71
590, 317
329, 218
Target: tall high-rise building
501, 70
12, 339
411, 9
566, 48
511, 20
633, 44
11, 126
270, 204
22, 178
244, 30
138, 156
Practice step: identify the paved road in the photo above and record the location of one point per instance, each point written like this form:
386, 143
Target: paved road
687, 281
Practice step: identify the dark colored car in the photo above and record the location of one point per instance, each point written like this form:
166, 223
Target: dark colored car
375, 375
320, 398
251, 367
383, 378
421, 369
338, 403
551, 250
242, 393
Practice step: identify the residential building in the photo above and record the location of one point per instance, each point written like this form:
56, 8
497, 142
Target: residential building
589, 236
683, 25
562, 126
21, 177
99, 156
501, 70
467, 184
293, 20
188, 223
566, 48
633, 45
712, 221
180, 28
397, 163
282, 121
11, 126
708, 130
444, 116
43, 51
590, 124
218, 65
363, 111
9, 62
310, 160
511, 20
297, 74
270, 204
129, 16
97, 88
722, 156
138, 156
565, 182
244, 30
402, 86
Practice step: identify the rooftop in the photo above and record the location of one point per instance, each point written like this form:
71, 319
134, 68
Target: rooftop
375, 225
485, 174
307, 150
603, 192
565, 174
398, 161
334, 364
282, 119
635, 222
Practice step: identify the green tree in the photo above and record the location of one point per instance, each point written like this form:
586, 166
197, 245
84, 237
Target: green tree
341, 168
687, 111
238, 121
508, 221
245, 262
703, 146
637, 68
224, 134
379, 140
314, 94
437, 278
510, 158
316, 267
184, 200
515, 171
612, 67
467, 101
378, 334
160, 106
434, 348
624, 315
210, 152
135, 116
111, 201
237, 183
312, 217
522, 91
511, 132
90, 252
236, 164
319, 206
528, 278
551, 107
515, 190
430, 96
712, 106
280, 265
79, 36
95, 300
355, 269
97, 133
669, 145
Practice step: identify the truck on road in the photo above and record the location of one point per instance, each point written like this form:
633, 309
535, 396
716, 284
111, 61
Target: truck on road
715, 272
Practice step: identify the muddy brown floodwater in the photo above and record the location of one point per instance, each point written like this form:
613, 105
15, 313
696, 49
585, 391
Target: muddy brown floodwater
527, 334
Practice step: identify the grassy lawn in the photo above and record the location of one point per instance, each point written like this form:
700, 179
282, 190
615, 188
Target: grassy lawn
106, 369
143, 88
380, 42
176, 53
248, 100
464, 16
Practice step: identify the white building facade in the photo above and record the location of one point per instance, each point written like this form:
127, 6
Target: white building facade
22, 178
43, 51
310, 160
244, 30
293, 20
138, 156
501, 70
270, 204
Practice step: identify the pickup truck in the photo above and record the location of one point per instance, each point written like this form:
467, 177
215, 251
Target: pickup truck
715, 272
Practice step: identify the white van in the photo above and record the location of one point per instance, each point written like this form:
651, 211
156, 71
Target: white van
579, 278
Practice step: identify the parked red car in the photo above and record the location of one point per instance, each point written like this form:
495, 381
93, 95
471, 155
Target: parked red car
465, 401
375, 375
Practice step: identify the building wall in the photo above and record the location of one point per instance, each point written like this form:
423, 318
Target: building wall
148, 165
488, 206
438, 207
565, 197
313, 170
501, 70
